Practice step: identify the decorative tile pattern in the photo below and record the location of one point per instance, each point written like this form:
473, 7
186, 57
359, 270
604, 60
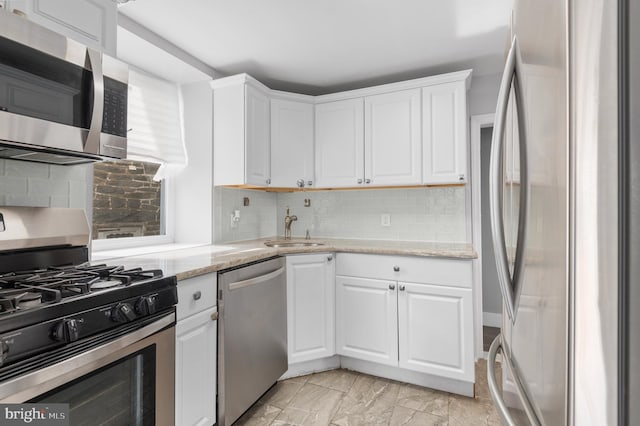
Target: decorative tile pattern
347, 398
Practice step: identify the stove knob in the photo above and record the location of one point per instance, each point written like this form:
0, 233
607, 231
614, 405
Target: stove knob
123, 312
146, 305
66, 331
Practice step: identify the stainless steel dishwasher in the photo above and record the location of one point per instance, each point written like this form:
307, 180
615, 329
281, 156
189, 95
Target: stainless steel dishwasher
252, 334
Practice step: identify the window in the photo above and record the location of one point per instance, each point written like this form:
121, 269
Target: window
127, 202
130, 197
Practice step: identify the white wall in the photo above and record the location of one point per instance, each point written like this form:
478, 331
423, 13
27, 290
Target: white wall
193, 187
483, 93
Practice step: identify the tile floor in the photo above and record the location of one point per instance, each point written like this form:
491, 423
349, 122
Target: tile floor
346, 398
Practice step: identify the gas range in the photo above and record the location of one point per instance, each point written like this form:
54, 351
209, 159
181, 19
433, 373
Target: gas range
51, 296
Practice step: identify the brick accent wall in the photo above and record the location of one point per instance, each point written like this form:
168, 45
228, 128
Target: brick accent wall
126, 200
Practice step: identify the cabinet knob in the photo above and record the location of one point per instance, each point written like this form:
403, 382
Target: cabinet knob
268, 181
359, 180
401, 287
461, 177
367, 181
300, 183
396, 269
214, 316
329, 258
197, 295
392, 286
309, 183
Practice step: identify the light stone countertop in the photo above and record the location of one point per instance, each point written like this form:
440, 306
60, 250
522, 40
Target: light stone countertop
194, 261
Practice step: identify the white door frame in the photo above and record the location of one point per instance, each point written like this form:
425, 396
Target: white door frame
478, 122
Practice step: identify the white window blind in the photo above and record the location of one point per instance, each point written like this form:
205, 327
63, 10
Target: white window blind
155, 125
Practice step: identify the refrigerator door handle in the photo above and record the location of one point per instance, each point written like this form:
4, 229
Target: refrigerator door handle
509, 287
494, 390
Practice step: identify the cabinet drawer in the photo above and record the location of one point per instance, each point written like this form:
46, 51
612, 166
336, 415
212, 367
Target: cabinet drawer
427, 270
196, 294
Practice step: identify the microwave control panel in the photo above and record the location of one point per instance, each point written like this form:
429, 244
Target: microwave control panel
114, 117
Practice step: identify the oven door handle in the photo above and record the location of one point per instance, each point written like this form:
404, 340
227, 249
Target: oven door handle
30, 385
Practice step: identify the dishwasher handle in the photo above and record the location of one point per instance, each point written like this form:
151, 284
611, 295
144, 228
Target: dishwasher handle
257, 280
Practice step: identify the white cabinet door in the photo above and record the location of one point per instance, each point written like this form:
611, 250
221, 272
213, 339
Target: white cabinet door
436, 330
310, 307
91, 22
196, 369
291, 143
340, 143
392, 143
444, 121
257, 146
366, 319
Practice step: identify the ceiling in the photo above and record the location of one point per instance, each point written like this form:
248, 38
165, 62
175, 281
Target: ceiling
324, 46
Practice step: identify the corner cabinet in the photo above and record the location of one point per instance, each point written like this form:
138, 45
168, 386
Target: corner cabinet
90, 22
310, 306
241, 132
408, 312
445, 133
196, 354
291, 144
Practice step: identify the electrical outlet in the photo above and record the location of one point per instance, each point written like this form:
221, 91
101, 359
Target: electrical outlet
385, 220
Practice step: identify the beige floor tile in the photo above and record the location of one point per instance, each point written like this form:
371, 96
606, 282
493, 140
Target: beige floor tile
281, 393
482, 387
403, 416
291, 416
321, 402
424, 399
369, 401
259, 415
469, 411
340, 380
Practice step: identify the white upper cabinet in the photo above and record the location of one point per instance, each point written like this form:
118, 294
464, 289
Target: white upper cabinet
392, 144
291, 144
258, 122
340, 143
241, 132
91, 22
444, 124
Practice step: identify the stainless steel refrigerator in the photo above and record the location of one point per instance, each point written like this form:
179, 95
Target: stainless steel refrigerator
565, 214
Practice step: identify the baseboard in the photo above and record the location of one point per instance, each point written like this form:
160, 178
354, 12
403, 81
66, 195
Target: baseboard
491, 319
309, 367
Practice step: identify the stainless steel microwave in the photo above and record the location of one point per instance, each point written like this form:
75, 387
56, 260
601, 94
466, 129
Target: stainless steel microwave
60, 102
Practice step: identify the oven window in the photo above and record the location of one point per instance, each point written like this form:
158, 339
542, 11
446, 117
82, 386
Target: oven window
121, 393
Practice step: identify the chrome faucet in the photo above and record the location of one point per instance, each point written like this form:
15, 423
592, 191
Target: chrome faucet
287, 224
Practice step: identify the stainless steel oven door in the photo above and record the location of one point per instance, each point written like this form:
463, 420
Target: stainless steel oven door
127, 380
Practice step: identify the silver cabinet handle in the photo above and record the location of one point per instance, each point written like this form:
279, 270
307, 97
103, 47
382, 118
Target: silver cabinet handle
367, 181
359, 180
214, 316
300, 183
329, 258
494, 390
392, 286
461, 177
309, 183
268, 181
401, 287
509, 287
396, 268
197, 295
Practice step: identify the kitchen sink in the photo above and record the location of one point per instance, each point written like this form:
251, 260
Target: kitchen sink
288, 243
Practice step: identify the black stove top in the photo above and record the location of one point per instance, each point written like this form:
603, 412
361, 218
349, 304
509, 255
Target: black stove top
25, 290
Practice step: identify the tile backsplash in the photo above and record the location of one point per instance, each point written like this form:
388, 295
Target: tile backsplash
41, 185
416, 214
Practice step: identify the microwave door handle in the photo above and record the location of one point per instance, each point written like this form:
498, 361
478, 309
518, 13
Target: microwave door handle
94, 63
496, 185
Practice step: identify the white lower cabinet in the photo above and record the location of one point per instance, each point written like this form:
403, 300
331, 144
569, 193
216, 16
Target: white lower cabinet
196, 334
366, 317
424, 326
310, 307
435, 330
